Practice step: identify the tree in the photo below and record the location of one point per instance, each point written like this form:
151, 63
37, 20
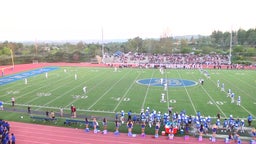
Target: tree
135, 44
241, 36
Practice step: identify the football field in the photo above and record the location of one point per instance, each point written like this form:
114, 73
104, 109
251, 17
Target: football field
109, 91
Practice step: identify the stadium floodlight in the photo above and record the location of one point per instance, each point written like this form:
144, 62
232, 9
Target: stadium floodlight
12, 57
230, 48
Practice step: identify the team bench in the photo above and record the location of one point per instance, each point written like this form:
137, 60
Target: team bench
77, 122
44, 119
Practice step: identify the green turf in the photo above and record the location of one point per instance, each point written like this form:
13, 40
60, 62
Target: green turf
109, 92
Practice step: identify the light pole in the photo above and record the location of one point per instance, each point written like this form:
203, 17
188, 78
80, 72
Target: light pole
12, 57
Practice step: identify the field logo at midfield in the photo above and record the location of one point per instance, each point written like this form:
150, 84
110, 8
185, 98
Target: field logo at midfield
170, 82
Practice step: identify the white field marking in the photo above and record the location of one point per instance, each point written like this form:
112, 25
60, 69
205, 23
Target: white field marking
213, 101
241, 105
57, 108
172, 101
34, 90
241, 89
126, 93
249, 85
91, 89
60, 96
40, 88
19, 85
243, 92
247, 110
107, 91
187, 93
167, 94
146, 94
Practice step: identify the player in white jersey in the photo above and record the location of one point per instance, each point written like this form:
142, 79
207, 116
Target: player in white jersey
238, 101
162, 98
223, 87
165, 86
161, 70
161, 81
85, 89
218, 83
75, 76
46, 75
232, 97
122, 117
229, 93
115, 70
26, 81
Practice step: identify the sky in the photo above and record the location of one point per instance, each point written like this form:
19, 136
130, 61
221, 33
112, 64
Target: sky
23, 20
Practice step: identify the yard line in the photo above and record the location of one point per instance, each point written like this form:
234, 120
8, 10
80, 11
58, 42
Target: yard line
91, 89
57, 108
213, 101
241, 89
20, 96
247, 111
146, 95
60, 96
126, 92
242, 92
40, 88
108, 90
167, 93
187, 92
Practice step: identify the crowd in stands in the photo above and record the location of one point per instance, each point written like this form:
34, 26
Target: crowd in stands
130, 57
172, 60
5, 137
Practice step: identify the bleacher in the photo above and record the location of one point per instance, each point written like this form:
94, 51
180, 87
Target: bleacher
70, 122
44, 119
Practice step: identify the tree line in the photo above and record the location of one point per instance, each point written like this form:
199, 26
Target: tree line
243, 48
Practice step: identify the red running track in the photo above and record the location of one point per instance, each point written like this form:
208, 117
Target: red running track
43, 134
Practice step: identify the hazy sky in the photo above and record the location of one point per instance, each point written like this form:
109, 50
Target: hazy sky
121, 19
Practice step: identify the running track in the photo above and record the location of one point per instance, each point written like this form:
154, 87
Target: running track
43, 134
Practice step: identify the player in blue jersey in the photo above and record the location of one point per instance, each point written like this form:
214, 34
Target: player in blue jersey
249, 119
1, 105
